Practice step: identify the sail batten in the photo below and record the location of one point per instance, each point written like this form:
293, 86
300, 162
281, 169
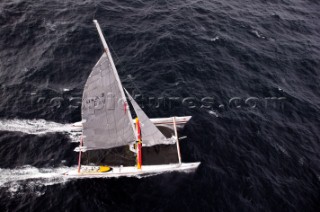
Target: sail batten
151, 135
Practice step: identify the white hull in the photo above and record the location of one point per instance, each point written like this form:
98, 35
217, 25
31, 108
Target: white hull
164, 122
132, 171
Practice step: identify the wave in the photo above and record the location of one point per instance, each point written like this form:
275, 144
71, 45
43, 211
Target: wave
39, 126
28, 178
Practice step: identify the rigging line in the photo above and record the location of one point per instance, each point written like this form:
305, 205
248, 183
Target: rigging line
135, 86
118, 59
113, 50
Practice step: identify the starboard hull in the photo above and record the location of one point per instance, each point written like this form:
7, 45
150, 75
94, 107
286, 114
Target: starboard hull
132, 171
159, 122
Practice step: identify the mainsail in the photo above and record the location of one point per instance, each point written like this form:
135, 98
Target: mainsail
151, 135
106, 119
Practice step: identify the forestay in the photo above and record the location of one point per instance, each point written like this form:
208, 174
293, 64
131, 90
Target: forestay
106, 122
151, 135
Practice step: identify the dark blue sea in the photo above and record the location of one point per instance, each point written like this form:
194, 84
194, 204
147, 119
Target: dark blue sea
248, 72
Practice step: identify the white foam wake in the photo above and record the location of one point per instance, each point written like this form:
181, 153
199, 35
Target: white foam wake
32, 173
29, 179
39, 126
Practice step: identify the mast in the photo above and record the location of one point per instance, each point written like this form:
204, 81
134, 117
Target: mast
106, 49
176, 135
79, 159
139, 145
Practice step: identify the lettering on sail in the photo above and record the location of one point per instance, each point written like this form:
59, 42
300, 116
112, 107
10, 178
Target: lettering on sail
95, 103
100, 101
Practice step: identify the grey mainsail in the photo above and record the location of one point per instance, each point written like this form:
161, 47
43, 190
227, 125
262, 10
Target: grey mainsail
151, 135
106, 119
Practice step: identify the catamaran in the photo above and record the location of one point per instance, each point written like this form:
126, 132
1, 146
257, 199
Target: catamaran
107, 123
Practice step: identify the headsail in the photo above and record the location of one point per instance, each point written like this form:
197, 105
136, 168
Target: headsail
106, 122
151, 135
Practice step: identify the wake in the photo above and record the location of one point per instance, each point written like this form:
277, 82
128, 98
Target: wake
49, 176
31, 180
40, 126
28, 179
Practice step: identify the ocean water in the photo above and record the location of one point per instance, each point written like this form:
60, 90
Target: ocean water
247, 72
